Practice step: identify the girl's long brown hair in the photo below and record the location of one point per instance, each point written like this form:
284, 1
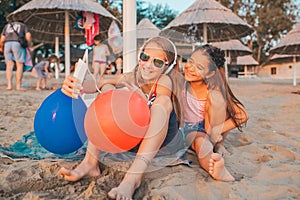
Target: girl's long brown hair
219, 81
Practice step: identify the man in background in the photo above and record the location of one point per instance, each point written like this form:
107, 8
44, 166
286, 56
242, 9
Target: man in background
13, 51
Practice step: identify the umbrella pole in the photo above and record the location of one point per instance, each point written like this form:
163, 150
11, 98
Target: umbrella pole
294, 71
245, 70
205, 33
129, 35
226, 65
67, 44
57, 55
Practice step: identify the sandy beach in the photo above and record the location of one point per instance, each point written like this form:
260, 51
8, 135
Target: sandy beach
264, 159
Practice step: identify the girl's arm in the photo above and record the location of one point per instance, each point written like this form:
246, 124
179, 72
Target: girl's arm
72, 85
46, 69
107, 51
121, 79
215, 115
217, 121
158, 127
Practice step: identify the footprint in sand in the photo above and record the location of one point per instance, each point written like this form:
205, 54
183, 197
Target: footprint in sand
282, 154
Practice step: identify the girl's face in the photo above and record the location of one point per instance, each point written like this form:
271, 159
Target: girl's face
152, 61
97, 42
197, 67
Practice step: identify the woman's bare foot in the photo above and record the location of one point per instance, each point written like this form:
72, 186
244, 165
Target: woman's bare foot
84, 169
20, 89
126, 188
218, 170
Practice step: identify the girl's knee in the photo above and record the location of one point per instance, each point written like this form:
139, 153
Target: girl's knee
203, 146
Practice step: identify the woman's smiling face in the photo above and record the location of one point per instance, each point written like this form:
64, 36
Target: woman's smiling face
148, 69
197, 67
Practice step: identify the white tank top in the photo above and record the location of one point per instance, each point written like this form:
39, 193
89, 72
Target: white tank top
100, 53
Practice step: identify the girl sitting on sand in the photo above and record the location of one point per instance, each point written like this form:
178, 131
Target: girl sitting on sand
149, 77
210, 108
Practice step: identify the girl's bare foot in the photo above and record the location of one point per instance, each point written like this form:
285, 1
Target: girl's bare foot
218, 170
84, 169
220, 149
126, 188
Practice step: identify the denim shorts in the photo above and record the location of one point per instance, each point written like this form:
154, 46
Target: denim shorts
193, 127
190, 127
13, 51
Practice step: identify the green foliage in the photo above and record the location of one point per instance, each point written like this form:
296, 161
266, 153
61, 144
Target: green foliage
271, 19
141, 10
8, 6
160, 15
112, 7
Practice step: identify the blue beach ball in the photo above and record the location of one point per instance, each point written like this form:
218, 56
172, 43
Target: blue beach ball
59, 123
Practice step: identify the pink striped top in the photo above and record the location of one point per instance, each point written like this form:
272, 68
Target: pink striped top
194, 109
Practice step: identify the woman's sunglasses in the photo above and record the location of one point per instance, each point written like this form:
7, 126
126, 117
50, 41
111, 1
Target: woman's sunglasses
159, 63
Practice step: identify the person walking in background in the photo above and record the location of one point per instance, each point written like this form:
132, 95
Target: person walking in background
13, 51
100, 53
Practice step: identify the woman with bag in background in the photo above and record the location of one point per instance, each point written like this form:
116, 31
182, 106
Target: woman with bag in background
12, 34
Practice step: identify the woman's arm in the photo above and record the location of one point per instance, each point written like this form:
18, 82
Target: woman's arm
2, 40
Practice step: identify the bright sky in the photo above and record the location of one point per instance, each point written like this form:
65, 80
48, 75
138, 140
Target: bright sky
177, 5
181, 5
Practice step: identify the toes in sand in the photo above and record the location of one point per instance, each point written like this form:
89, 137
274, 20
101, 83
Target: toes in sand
78, 173
218, 170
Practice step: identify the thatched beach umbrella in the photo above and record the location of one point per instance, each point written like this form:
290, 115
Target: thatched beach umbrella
283, 57
232, 49
247, 60
48, 19
207, 21
290, 44
145, 29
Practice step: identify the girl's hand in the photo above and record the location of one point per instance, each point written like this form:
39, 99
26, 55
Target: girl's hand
216, 135
71, 86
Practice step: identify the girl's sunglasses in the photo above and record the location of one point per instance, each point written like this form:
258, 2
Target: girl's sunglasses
159, 63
